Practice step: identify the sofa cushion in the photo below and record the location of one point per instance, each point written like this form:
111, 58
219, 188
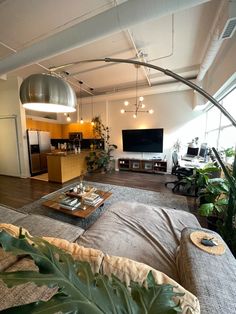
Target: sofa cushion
9, 215
144, 233
125, 269
44, 226
211, 277
80, 253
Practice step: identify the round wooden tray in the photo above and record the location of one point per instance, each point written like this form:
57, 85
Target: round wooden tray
197, 236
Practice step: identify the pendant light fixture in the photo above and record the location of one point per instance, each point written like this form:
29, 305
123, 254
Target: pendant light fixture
68, 118
92, 122
47, 93
81, 105
139, 105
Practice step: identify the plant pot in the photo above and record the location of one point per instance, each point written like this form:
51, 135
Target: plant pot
103, 170
111, 165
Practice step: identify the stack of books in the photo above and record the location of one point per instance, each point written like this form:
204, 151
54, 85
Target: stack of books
92, 199
70, 203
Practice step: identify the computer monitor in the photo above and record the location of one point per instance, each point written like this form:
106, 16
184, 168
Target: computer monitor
203, 151
192, 151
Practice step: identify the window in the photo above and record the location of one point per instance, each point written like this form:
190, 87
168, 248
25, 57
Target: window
219, 131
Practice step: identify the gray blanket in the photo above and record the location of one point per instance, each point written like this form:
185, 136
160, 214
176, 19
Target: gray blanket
144, 233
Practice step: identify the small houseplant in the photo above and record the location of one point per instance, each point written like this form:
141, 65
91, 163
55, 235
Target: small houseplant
229, 154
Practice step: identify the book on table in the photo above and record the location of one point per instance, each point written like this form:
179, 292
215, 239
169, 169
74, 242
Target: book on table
92, 199
70, 203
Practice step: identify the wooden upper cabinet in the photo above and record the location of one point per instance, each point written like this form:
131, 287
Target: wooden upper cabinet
86, 128
55, 129
58, 131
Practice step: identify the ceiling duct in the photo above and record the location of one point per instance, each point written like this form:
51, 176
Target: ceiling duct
114, 20
222, 28
228, 21
229, 29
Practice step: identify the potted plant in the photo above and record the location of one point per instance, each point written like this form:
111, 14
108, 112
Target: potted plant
217, 201
92, 161
105, 158
214, 198
228, 228
101, 159
199, 179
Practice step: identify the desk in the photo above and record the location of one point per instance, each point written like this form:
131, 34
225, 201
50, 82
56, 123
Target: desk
195, 163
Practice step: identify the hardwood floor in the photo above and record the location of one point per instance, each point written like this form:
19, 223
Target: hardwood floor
17, 192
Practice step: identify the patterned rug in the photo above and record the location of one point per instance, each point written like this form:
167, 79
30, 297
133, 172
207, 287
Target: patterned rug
119, 193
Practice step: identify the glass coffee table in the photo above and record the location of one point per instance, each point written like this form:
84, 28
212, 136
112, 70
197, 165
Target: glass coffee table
77, 201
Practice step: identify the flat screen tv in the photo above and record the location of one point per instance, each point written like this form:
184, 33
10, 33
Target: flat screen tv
143, 140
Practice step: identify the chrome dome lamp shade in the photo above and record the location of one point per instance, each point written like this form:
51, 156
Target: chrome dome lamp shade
47, 93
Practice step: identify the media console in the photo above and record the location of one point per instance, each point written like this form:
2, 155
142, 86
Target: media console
142, 165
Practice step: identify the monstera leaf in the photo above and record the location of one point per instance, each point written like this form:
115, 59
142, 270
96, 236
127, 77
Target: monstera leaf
79, 290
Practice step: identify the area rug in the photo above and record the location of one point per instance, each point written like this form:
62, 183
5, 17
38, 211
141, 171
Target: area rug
119, 193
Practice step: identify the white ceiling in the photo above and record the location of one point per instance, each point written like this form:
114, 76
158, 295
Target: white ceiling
175, 41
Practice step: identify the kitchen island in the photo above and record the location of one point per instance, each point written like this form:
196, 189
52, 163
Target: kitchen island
64, 166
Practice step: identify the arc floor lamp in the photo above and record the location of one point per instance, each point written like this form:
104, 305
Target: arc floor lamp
230, 219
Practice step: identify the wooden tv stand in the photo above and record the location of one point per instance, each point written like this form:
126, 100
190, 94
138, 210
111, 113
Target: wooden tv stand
142, 165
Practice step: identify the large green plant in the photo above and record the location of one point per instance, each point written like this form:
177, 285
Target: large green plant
217, 197
194, 183
228, 229
101, 159
79, 290
214, 197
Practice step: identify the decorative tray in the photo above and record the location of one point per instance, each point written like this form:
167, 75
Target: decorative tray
80, 194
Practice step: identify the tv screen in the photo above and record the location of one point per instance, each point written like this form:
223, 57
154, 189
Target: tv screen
143, 140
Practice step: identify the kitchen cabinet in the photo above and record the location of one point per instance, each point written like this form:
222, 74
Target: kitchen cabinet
63, 167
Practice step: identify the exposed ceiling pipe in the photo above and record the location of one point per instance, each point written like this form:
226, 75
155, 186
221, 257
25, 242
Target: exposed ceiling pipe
209, 56
144, 91
4, 77
116, 19
139, 56
214, 43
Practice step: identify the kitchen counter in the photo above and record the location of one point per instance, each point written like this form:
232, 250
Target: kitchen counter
65, 166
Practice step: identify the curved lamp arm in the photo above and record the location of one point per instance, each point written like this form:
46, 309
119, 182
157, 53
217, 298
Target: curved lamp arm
165, 71
229, 227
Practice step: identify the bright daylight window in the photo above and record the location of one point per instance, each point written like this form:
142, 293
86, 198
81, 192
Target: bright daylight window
219, 131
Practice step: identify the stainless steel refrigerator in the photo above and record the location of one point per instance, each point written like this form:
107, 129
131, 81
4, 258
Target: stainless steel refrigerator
39, 144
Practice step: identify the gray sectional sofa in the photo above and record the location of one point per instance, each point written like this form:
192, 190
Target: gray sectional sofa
158, 237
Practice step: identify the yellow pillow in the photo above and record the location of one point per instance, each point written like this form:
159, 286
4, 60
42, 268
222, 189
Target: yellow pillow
123, 268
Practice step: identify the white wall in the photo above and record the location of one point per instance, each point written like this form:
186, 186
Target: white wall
172, 111
99, 109
9, 106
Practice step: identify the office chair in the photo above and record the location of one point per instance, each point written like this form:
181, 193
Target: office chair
179, 172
